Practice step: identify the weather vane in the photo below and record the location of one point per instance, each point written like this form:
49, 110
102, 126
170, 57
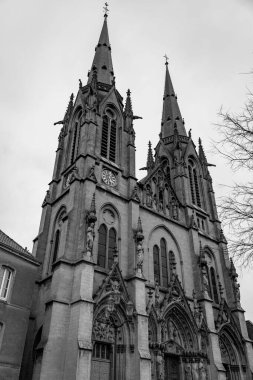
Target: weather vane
106, 10
166, 59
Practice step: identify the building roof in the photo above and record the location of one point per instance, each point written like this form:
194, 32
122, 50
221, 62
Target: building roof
7, 242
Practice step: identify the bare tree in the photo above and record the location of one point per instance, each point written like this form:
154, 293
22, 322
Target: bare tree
236, 209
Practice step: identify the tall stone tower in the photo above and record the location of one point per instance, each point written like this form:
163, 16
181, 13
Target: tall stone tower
135, 280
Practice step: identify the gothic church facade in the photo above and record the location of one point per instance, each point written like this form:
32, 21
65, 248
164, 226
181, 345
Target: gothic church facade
136, 281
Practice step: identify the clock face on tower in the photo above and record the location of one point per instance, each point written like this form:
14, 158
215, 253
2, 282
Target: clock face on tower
109, 178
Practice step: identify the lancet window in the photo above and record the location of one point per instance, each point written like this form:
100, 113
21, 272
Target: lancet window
212, 276
106, 246
194, 183
56, 238
109, 136
160, 262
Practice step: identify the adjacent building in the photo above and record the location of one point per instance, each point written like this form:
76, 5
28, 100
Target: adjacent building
136, 281
18, 271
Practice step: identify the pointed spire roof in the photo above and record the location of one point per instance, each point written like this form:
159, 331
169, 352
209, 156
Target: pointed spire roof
102, 61
171, 112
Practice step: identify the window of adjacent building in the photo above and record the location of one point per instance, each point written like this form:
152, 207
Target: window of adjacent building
194, 183
106, 246
109, 136
160, 263
5, 281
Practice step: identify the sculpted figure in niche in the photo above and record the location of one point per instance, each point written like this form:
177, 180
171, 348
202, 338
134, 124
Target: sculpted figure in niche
202, 371
148, 197
140, 257
188, 371
90, 239
160, 366
205, 282
195, 371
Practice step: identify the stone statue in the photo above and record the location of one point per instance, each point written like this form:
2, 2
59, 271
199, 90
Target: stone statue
148, 197
187, 371
90, 239
139, 258
202, 371
195, 371
205, 282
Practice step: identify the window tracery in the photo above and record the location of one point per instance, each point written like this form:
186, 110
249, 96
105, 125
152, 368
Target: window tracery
158, 193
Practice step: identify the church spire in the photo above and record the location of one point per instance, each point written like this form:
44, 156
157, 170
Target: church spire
171, 112
102, 61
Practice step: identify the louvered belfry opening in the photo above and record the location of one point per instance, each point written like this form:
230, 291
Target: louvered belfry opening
109, 136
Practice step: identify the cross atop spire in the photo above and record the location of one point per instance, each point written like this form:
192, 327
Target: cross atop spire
171, 112
106, 10
166, 59
102, 61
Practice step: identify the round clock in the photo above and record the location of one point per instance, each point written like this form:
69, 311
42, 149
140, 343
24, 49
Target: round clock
109, 178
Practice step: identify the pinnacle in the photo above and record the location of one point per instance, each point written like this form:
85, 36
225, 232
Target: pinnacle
128, 105
150, 159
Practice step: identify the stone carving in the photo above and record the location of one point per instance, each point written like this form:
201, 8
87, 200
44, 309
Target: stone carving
135, 195
188, 371
205, 282
61, 139
90, 234
160, 366
108, 217
103, 331
235, 285
139, 237
202, 370
91, 174
149, 200
195, 371
47, 198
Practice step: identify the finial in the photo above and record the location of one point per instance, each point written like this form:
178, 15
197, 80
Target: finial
106, 10
200, 142
166, 59
80, 83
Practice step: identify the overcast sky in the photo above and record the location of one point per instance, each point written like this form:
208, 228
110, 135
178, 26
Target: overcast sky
47, 45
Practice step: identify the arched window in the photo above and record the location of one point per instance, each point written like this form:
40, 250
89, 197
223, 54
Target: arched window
212, 276
164, 263
106, 246
194, 185
5, 281
109, 136
56, 246
156, 264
